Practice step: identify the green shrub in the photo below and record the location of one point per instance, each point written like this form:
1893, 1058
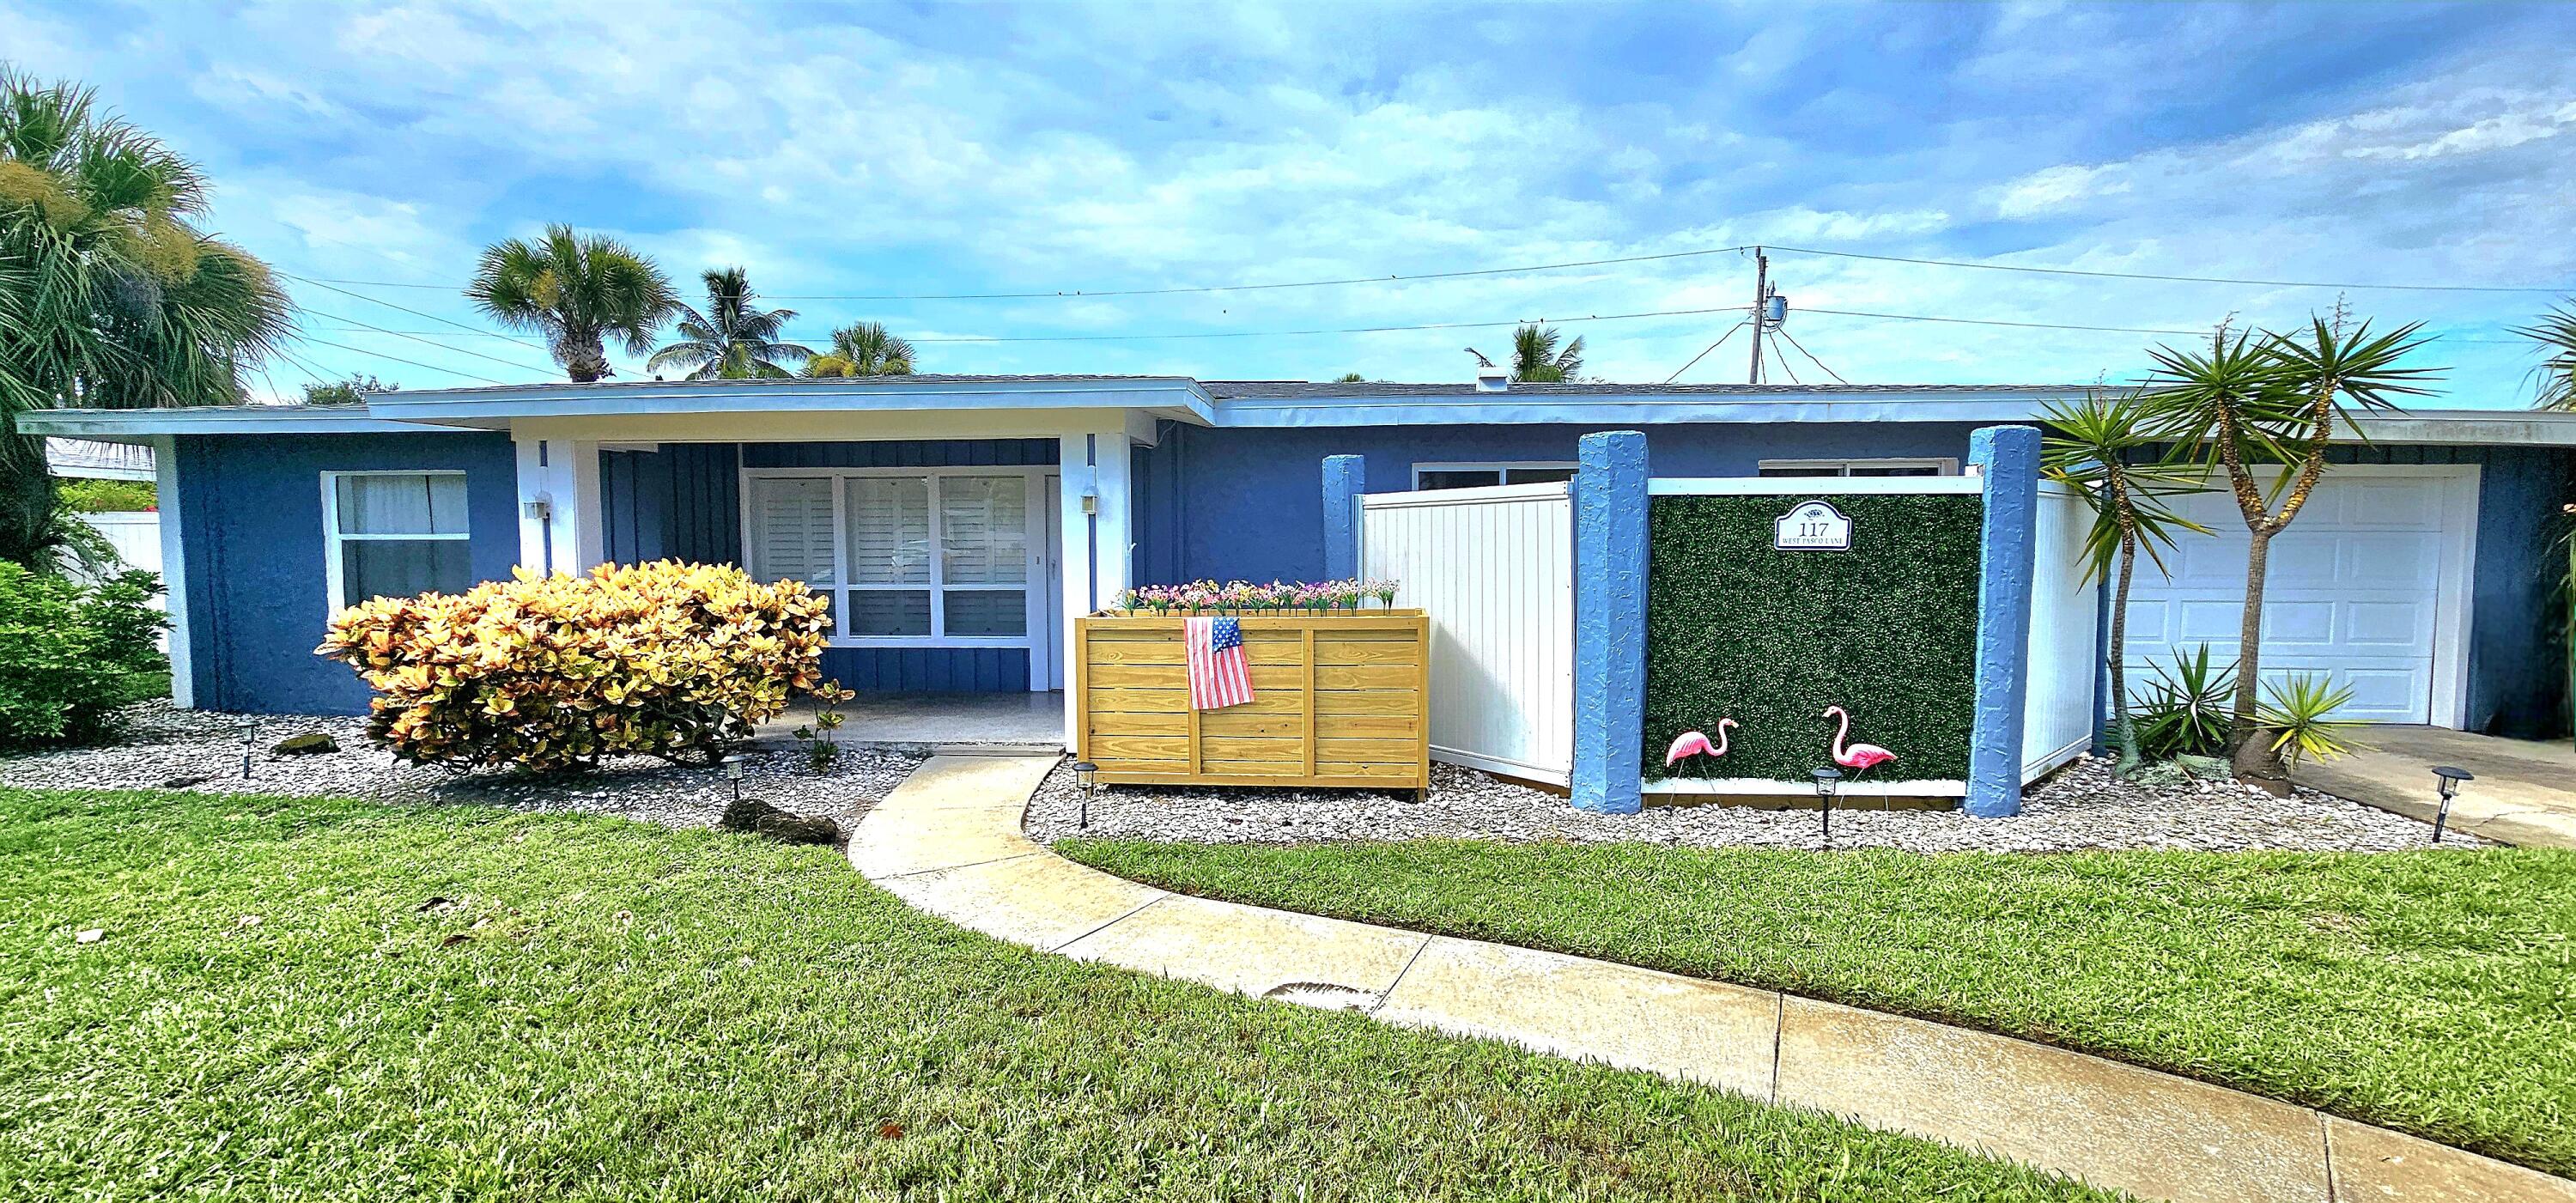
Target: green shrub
2185, 711
555, 672
84, 496
70, 652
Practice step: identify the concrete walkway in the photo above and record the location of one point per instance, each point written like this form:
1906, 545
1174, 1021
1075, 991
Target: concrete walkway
2525, 792
949, 842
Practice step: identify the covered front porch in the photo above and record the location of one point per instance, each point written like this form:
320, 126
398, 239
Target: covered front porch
957, 527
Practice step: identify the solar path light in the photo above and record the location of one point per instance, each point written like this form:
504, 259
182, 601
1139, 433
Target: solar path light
2447, 778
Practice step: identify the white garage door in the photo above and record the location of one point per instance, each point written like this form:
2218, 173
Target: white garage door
2368, 588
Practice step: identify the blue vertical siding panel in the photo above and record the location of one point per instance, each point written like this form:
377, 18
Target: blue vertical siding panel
2517, 676
258, 594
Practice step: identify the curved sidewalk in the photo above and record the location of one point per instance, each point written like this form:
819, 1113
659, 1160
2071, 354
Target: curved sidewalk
949, 841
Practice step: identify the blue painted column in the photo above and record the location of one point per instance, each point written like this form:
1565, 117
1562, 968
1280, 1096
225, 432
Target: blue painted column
1345, 478
1609, 621
2008, 458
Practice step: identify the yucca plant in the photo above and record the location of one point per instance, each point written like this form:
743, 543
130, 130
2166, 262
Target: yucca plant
2272, 399
2185, 711
2104, 450
2298, 718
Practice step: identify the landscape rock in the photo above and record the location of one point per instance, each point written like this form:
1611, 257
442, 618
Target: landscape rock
311, 743
785, 826
2081, 807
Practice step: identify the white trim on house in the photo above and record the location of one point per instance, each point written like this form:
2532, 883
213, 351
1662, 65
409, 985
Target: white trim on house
1941, 465
1175, 397
1501, 468
335, 597
1788, 486
1033, 588
174, 571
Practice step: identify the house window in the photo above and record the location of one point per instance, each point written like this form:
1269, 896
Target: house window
394, 534
916, 559
1477, 476
1859, 467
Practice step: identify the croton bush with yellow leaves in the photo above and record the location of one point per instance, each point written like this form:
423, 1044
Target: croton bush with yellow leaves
554, 672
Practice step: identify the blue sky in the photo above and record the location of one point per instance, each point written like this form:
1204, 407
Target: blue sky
843, 151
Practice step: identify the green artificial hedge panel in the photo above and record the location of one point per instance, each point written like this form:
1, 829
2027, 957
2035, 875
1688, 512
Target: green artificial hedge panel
1887, 630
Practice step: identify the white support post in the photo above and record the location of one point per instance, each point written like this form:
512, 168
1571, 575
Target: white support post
1099, 532
559, 520
174, 569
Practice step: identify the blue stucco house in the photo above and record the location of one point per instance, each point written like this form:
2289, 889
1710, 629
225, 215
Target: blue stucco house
959, 522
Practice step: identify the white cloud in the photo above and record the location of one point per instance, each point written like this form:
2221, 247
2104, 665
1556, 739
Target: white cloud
2056, 188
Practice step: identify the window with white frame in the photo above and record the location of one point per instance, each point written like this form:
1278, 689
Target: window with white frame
907, 557
1477, 476
1860, 467
394, 534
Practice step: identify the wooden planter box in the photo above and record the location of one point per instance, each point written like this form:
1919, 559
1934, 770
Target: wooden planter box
1339, 699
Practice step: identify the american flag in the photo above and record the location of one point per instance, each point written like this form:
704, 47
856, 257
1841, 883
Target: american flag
1218, 678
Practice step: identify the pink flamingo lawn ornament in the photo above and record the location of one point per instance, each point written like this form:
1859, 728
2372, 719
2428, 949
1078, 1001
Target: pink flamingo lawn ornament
1692, 743
1859, 758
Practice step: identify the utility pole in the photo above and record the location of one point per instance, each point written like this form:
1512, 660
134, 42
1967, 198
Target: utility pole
1761, 298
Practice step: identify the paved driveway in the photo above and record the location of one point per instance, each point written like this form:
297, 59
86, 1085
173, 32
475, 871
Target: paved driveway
2525, 792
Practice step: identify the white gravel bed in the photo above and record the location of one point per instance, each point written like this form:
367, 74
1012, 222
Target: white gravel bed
165, 748
2080, 807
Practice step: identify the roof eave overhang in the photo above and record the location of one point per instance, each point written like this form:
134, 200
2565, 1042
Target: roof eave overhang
142, 426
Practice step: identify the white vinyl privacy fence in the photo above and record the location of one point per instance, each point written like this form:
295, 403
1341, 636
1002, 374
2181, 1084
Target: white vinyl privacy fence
2065, 621
1494, 568
135, 535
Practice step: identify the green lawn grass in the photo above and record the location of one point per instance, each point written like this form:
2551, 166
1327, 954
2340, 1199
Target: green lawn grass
2431, 992
284, 1007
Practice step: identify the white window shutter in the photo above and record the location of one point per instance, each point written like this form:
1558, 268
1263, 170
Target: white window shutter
791, 531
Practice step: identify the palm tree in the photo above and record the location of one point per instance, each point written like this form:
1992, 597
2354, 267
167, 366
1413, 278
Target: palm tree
2106, 451
1536, 360
109, 295
2556, 375
734, 339
2275, 400
863, 349
579, 290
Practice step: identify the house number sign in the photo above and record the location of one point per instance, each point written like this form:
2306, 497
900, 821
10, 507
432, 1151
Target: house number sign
1811, 526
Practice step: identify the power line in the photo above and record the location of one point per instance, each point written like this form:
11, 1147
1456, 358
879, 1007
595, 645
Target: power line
1976, 321
1783, 361
1081, 294
1811, 356
1703, 352
414, 312
429, 342
399, 359
298, 365
1084, 338
2109, 275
